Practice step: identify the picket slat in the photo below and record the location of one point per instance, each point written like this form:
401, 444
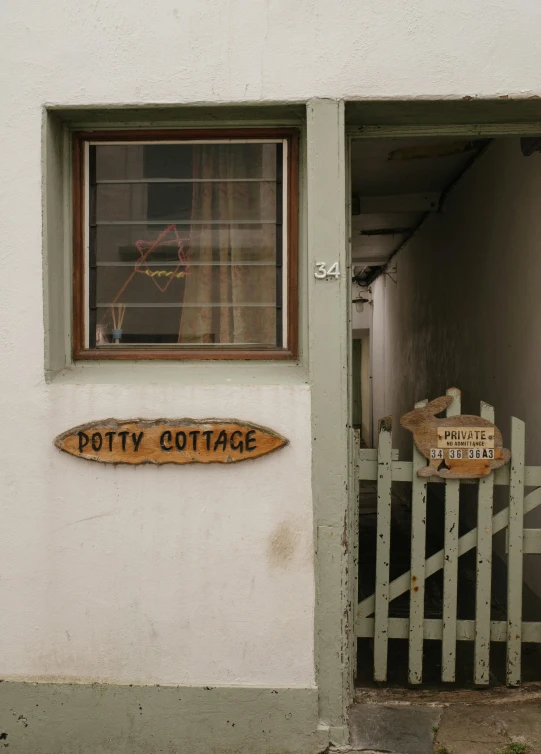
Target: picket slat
381, 615
515, 555
417, 583
450, 564
483, 589
354, 536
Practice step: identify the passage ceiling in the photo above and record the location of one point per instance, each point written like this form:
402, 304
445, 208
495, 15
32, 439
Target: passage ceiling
396, 184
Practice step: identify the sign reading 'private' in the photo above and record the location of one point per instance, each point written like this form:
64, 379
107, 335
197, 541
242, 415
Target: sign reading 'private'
466, 437
159, 441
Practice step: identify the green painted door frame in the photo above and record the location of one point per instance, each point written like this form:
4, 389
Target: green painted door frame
329, 349
372, 120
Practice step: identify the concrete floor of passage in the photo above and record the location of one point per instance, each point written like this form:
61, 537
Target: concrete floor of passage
393, 721
399, 608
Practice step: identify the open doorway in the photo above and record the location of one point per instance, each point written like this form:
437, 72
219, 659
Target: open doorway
446, 264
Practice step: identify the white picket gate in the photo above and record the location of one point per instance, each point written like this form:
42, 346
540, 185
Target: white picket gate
372, 614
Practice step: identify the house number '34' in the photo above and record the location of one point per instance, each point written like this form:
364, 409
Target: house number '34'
321, 272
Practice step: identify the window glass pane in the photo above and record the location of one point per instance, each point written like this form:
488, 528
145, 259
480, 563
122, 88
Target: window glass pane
185, 245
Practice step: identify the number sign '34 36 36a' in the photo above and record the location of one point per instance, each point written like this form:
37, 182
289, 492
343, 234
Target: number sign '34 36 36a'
458, 447
180, 441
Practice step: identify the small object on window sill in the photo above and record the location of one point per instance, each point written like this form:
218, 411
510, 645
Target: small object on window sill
101, 338
118, 311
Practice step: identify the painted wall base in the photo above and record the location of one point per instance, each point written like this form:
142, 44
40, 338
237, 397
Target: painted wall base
43, 718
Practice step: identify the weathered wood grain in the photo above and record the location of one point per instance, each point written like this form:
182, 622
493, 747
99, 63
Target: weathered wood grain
160, 441
483, 589
424, 425
515, 556
418, 564
450, 564
383, 554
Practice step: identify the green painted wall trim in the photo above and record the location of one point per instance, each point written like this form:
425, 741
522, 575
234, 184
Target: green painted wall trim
436, 112
43, 718
57, 123
328, 356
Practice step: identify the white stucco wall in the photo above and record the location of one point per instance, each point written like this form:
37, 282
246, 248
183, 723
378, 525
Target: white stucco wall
193, 575
167, 575
230, 50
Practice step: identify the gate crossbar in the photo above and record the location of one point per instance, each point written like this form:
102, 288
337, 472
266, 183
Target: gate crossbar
465, 629
435, 562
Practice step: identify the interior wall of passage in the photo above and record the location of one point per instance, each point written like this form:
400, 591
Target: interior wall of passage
462, 309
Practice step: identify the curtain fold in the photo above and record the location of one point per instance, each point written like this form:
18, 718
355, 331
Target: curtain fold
222, 280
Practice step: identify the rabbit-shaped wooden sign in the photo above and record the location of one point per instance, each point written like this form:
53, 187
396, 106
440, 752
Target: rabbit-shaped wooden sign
458, 447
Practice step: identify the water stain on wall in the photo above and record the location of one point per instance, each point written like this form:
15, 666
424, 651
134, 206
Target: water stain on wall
282, 544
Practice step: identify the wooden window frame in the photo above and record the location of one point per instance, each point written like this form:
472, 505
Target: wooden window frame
79, 350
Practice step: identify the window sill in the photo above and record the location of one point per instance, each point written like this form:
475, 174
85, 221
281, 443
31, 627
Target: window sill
172, 354
264, 372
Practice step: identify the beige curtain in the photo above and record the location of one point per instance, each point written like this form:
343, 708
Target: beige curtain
217, 275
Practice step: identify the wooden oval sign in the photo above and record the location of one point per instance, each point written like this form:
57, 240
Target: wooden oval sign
138, 441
